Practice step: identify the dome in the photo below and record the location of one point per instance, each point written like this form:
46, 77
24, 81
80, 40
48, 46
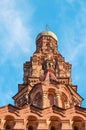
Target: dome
47, 33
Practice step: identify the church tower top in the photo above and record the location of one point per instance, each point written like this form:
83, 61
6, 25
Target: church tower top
47, 33
47, 77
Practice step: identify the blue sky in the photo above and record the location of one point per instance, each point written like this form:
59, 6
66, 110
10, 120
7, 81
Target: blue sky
22, 20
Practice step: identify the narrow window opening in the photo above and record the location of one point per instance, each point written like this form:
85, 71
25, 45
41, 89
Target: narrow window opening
53, 128
76, 128
8, 127
30, 128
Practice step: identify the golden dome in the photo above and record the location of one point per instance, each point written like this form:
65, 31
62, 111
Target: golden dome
47, 33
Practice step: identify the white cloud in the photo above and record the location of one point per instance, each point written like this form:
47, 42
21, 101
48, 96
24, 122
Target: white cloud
15, 36
72, 27
15, 41
74, 32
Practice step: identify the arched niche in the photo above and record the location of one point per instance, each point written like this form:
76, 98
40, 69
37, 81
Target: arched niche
58, 98
78, 123
9, 122
55, 123
32, 123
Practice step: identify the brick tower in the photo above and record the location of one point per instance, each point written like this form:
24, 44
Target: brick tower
47, 99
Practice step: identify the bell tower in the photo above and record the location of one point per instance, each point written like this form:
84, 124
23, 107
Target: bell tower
47, 77
47, 98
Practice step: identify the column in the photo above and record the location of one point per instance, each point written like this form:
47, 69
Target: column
58, 98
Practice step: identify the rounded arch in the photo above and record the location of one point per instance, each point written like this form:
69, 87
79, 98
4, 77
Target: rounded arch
78, 123
9, 122
55, 123
9, 117
53, 87
54, 118
78, 117
32, 122
32, 118
60, 96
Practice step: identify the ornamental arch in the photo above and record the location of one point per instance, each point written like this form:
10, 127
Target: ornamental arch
32, 123
55, 123
78, 123
9, 122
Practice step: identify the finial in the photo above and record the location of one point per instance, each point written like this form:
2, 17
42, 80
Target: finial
47, 27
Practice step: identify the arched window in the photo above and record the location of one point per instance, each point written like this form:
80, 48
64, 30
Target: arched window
9, 122
30, 128
8, 127
76, 128
52, 128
